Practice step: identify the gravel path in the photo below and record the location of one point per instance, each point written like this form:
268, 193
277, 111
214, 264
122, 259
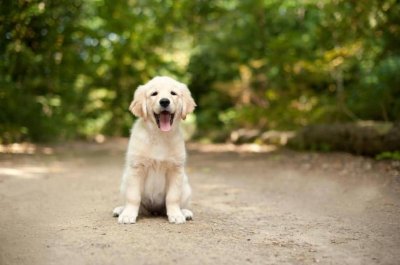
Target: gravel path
271, 207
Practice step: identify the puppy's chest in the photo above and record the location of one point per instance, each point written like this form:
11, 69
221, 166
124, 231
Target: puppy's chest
165, 152
159, 151
155, 185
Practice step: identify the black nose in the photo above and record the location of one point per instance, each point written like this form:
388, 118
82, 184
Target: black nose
164, 102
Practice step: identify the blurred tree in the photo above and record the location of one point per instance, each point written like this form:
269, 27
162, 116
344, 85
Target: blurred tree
69, 68
286, 64
37, 60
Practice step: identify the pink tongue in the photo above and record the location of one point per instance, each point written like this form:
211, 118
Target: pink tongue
165, 125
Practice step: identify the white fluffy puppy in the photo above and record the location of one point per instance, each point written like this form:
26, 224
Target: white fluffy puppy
154, 178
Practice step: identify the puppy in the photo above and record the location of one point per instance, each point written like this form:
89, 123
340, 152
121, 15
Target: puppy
154, 178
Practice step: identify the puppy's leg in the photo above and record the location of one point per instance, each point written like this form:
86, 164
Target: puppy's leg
133, 182
175, 177
185, 200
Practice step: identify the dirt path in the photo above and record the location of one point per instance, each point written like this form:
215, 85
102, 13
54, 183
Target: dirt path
278, 207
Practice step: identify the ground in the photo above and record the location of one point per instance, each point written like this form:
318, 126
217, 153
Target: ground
251, 205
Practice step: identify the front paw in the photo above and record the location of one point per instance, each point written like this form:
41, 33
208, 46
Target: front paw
188, 214
176, 218
128, 216
117, 211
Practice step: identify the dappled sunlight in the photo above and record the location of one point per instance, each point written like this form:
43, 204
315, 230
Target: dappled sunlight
29, 172
228, 147
25, 148
13, 161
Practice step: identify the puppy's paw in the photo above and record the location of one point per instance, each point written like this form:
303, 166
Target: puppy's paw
176, 218
117, 211
188, 214
128, 216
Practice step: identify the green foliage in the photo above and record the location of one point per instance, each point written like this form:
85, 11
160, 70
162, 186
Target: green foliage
36, 39
389, 155
69, 68
287, 64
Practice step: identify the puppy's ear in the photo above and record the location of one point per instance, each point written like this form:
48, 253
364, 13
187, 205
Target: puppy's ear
138, 105
188, 103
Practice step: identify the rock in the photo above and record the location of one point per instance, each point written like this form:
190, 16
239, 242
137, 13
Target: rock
276, 137
242, 136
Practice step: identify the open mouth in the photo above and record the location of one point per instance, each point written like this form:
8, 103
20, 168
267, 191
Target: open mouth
164, 120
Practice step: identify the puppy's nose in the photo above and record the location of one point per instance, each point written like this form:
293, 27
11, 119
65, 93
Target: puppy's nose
164, 102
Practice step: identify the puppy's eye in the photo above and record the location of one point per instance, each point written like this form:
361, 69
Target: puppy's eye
155, 93
173, 93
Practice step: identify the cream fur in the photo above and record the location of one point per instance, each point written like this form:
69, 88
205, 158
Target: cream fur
154, 178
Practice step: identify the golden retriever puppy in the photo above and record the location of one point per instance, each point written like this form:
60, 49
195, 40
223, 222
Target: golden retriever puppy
154, 178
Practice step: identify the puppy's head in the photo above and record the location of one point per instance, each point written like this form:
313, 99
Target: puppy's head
163, 101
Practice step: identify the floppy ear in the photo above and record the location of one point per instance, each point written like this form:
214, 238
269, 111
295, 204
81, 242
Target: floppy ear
188, 103
138, 105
